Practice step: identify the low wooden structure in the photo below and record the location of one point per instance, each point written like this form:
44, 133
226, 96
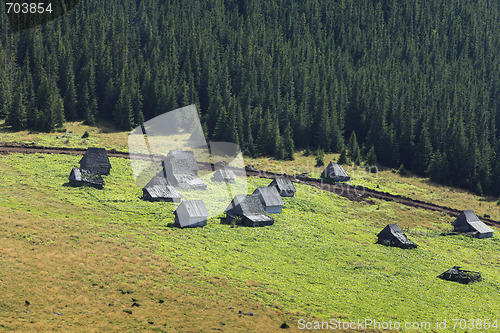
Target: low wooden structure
392, 235
335, 173
457, 274
247, 210
284, 186
191, 213
81, 177
270, 199
224, 175
468, 222
96, 160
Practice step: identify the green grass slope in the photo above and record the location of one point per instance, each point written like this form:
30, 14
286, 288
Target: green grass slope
319, 259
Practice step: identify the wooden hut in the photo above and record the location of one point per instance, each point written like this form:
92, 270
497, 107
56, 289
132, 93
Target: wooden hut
161, 193
96, 159
81, 177
457, 274
335, 172
181, 170
284, 186
468, 222
392, 235
191, 213
248, 211
270, 199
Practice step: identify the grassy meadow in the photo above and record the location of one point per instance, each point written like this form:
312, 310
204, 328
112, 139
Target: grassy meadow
385, 180
82, 257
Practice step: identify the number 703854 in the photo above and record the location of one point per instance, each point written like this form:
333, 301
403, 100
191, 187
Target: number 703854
28, 8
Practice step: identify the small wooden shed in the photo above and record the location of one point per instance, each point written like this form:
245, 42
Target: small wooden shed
270, 199
284, 186
97, 160
248, 211
161, 193
469, 222
392, 235
457, 274
335, 172
191, 213
81, 177
181, 170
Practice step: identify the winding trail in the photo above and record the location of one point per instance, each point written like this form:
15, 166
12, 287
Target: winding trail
355, 193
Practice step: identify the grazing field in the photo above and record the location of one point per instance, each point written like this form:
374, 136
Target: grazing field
388, 180
385, 180
71, 136
82, 257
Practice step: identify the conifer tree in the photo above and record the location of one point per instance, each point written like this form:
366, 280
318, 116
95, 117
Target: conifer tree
288, 143
354, 151
343, 157
371, 157
16, 117
423, 153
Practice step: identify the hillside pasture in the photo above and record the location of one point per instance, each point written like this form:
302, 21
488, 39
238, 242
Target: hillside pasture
80, 246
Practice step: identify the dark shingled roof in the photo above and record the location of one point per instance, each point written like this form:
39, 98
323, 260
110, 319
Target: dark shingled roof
243, 204
392, 235
96, 159
284, 186
335, 172
458, 275
269, 196
85, 177
469, 222
251, 209
161, 192
236, 201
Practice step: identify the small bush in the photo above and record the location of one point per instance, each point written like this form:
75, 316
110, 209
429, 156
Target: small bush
85, 135
307, 152
479, 189
402, 170
238, 220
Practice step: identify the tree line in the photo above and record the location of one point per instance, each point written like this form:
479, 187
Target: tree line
414, 83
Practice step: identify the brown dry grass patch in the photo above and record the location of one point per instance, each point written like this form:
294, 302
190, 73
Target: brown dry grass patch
63, 276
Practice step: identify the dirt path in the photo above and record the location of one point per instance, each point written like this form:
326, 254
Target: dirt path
351, 192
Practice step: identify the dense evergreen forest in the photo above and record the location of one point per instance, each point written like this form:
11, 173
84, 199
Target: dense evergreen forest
414, 83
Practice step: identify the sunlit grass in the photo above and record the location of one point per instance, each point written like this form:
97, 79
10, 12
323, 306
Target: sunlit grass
319, 259
387, 180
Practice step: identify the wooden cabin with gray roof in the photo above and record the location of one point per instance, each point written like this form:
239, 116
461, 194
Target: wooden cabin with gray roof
165, 193
181, 170
96, 160
468, 222
191, 213
392, 235
270, 199
284, 186
335, 173
248, 211
158, 189
81, 177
